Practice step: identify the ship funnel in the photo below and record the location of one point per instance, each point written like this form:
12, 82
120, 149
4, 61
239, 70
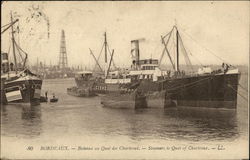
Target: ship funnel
135, 52
4, 62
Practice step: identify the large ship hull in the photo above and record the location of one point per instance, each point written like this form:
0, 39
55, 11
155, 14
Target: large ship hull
115, 100
159, 99
22, 90
212, 91
132, 100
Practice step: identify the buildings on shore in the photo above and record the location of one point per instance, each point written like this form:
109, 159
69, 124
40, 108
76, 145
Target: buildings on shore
54, 71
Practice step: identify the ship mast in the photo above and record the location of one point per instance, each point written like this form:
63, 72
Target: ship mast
105, 47
13, 42
110, 63
177, 50
179, 47
105, 50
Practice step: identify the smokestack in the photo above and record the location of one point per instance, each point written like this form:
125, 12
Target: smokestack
135, 53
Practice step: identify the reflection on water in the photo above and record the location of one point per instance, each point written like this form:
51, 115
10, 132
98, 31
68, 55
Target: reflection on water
31, 113
184, 123
23, 121
74, 116
208, 124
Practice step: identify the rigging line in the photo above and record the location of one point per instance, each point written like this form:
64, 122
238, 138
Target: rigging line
10, 25
194, 57
9, 50
110, 63
243, 91
99, 56
238, 93
174, 48
6, 25
21, 48
9, 44
20, 55
205, 47
167, 34
18, 32
243, 87
186, 58
166, 49
170, 50
18, 48
111, 55
162, 55
26, 54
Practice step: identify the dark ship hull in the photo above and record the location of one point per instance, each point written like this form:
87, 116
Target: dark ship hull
159, 99
80, 92
124, 100
208, 90
212, 91
21, 91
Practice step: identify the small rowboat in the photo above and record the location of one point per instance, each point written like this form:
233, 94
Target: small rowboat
54, 99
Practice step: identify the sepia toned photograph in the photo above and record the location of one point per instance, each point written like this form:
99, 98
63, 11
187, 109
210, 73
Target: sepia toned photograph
124, 80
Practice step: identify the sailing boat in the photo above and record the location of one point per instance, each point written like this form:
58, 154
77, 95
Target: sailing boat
18, 84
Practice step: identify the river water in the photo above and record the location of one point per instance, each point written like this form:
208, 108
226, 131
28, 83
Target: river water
77, 121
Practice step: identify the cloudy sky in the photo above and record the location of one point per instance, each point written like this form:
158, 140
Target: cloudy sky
218, 27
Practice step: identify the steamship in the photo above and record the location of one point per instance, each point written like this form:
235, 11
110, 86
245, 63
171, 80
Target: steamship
115, 87
147, 85
18, 84
205, 88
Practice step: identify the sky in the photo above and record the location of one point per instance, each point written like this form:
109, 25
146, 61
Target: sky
207, 28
